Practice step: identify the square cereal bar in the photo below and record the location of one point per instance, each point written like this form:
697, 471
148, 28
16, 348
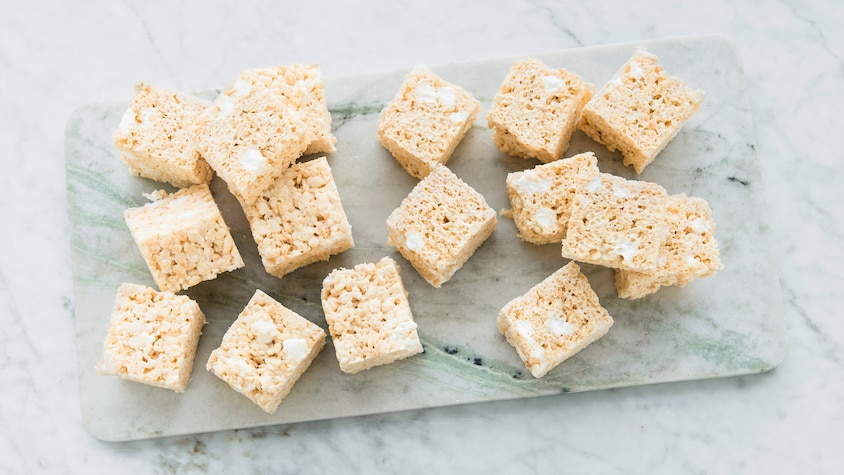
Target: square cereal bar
554, 320
252, 132
425, 121
154, 139
183, 238
639, 110
617, 223
540, 198
536, 110
265, 351
152, 337
303, 87
299, 219
690, 250
369, 316
440, 224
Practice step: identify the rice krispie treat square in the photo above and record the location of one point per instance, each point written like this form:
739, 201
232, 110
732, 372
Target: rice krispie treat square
617, 223
303, 87
425, 121
689, 251
440, 224
639, 110
183, 238
265, 351
152, 337
369, 316
536, 110
299, 219
554, 320
540, 198
154, 139
252, 132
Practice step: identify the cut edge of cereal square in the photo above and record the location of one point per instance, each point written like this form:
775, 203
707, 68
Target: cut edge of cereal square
617, 223
138, 349
349, 299
322, 229
404, 124
536, 110
265, 351
154, 139
426, 241
690, 250
554, 320
252, 132
163, 228
540, 198
640, 83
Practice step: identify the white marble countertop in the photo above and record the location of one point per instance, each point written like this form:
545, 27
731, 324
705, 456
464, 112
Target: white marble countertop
56, 56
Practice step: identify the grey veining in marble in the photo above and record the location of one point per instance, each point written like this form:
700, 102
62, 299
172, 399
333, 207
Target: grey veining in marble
729, 324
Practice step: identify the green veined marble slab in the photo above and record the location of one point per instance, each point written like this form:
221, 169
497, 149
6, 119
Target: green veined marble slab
729, 324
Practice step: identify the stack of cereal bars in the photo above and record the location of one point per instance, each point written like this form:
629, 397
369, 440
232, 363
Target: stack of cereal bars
252, 136
650, 238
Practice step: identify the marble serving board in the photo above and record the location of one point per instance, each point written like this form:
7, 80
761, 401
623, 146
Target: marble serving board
729, 324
